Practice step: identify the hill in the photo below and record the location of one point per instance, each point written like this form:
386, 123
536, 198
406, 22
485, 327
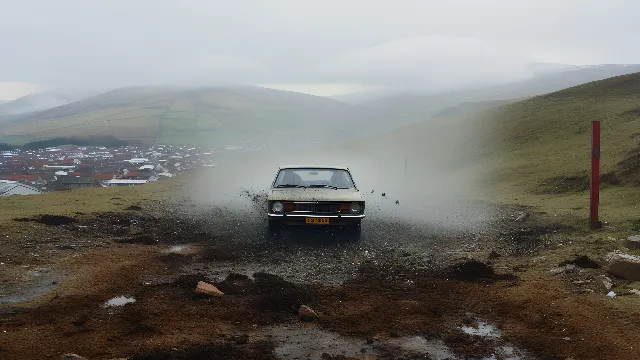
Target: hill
531, 152
44, 100
410, 108
223, 116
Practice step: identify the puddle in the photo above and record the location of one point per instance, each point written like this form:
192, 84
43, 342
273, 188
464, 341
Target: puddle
306, 271
434, 349
298, 342
119, 301
26, 294
36, 282
483, 329
310, 342
177, 248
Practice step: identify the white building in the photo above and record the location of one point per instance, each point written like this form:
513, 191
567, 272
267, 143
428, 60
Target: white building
16, 188
137, 161
123, 182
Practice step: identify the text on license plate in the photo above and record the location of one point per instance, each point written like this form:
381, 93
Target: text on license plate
318, 221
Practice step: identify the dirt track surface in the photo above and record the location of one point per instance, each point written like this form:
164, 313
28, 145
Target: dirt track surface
404, 292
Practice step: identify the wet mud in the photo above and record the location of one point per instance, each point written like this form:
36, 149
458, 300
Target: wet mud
403, 292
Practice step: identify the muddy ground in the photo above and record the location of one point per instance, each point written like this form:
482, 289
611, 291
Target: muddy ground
405, 291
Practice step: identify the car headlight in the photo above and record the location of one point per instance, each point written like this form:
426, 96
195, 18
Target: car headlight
277, 207
355, 208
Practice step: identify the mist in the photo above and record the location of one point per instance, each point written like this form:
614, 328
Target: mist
420, 175
436, 45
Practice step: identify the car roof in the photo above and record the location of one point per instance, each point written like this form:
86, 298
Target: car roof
314, 167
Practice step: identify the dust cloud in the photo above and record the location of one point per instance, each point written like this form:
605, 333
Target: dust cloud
417, 169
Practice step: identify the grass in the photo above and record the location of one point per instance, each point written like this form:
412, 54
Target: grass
536, 142
533, 152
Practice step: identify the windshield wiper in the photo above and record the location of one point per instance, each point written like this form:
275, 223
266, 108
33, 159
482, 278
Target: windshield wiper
325, 186
290, 186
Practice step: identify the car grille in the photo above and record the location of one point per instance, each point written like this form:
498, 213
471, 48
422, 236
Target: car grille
320, 208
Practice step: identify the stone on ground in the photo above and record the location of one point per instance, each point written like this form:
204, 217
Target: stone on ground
306, 313
633, 242
208, 289
623, 265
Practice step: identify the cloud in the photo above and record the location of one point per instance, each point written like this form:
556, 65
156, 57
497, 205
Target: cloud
431, 62
109, 43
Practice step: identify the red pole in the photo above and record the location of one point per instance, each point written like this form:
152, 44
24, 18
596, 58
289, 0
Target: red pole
595, 175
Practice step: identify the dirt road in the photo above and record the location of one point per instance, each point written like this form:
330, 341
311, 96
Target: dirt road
406, 291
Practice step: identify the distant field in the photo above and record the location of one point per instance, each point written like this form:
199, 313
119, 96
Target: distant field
15, 139
206, 116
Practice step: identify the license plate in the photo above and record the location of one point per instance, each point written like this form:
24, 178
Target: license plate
317, 221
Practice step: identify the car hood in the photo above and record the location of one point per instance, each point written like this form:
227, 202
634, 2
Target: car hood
315, 194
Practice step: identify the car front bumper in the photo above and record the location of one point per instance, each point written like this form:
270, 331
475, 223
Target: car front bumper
334, 219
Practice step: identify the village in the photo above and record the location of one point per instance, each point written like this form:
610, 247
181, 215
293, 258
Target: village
68, 167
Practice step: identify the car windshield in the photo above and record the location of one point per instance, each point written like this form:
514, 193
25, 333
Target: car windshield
311, 177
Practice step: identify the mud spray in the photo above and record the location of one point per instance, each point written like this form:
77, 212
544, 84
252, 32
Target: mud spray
412, 176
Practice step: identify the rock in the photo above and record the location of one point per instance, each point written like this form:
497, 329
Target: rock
73, 357
136, 229
607, 282
306, 313
208, 289
623, 265
521, 216
634, 291
633, 242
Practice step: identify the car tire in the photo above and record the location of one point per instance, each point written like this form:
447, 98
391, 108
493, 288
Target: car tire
274, 230
354, 233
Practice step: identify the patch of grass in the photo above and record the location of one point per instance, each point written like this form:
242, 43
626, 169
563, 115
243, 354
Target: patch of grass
80, 203
538, 151
564, 184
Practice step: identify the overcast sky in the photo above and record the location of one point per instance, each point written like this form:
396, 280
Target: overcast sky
326, 45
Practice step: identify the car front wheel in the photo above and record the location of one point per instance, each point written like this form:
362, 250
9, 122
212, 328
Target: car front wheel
274, 230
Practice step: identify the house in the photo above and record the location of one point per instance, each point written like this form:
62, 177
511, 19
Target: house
102, 177
16, 188
123, 182
73, 182
21, 177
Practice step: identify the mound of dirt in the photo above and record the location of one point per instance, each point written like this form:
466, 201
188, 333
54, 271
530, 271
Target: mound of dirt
473, 270
274, 294
50, 220
235, 284
582, 261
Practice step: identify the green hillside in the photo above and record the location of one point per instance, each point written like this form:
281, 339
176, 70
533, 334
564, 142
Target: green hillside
203, 116
532, 152
412, 108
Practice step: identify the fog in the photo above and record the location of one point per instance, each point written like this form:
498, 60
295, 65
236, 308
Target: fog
432, 46
418, 175
379, 44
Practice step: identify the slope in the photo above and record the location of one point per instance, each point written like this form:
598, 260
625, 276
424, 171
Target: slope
201, 116
410, 108
44, 100
533, 152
